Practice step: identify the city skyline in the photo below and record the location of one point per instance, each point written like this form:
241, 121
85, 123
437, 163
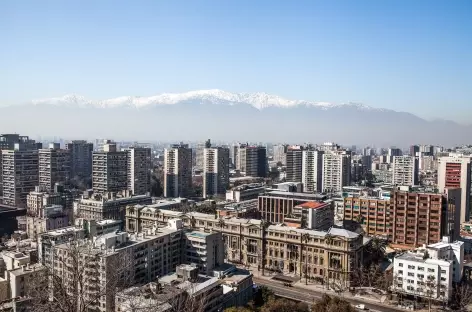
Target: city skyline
405, 56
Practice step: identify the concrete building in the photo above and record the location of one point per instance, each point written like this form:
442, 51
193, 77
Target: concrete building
215, 171
19, 175
312, 171
109, 170
105, 256
39, 198
178, 171
108, 205
139, 218
280, 153
336, 171
275, 206
54, 166
405, 170
50, 218
429, 272
312, 215
252, 160
455, 172
294, 163
423, 218
81, 158
139, 170
371, 212
245, 192
205, 250
199, 154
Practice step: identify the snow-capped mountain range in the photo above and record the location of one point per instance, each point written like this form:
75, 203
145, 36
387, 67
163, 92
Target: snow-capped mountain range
259, 100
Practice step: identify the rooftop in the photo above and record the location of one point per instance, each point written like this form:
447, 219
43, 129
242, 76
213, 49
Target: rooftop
418, 258
313, 205
294, 194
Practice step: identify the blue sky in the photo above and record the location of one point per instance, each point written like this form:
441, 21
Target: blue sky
413, 56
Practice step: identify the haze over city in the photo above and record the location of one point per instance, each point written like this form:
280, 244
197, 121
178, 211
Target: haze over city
235, 156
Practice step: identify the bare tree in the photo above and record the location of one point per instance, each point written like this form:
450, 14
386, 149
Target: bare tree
462, 297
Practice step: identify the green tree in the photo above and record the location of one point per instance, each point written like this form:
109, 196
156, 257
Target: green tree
263, 295
377, 247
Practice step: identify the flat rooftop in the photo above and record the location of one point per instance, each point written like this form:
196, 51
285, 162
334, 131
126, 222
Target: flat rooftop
313, 205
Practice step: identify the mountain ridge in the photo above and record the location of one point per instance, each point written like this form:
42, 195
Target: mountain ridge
259, 100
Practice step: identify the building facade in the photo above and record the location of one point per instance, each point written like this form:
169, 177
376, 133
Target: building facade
455, 172
178, 171
20, 175
215, 171
81, 158
336, 171
139, 170
54, 166
405, 170
252, 160
312, 171
294, 165
110, 170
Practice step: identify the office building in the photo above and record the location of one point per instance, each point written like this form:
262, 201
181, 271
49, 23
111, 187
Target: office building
252, 160
81, 159
294, 166
215, 171
405, 171
312, 171
455, 172
336, 171
19, 175
109, 170
178, 171
54, 166
280, 153
139, 170
423, 218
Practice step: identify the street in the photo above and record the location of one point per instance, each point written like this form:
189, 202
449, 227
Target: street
309, 296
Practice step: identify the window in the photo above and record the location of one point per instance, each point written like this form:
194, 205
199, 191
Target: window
431, 270
411, 267
411, 274
443, 271
400, 264
420, 268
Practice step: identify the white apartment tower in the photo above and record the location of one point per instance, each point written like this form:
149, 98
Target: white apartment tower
54, 166
139, 170
109, 170
454, 172
294, 166
280, 153
19, 174
336, 171
177, 171
215, 171
312, 171
405, 170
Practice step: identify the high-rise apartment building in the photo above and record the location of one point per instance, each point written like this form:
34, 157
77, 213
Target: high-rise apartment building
178, 171
336, 171
405, 170
252, 160
19, 174
455, 172
423, 218
109, 170
312, 171
280, 153
81, 158
414, 149
199, 155
54, 166
139, 170
215, 171
294, 163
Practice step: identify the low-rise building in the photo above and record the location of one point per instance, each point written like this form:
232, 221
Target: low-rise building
49, 218
429, 272
312, 215
245, 192
205, 250
108, 205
